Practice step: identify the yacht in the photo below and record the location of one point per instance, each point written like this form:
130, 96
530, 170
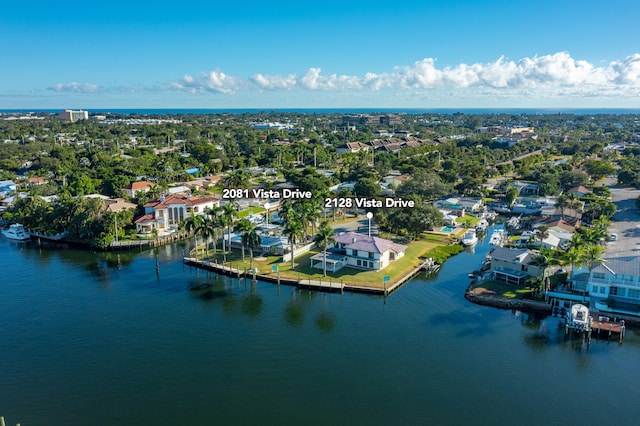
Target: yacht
16, 232
481, 226
470, 238
497, 237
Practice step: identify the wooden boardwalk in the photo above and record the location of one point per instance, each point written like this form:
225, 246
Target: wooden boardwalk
323, 284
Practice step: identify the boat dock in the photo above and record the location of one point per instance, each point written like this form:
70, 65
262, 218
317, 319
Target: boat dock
605, 325
327, 284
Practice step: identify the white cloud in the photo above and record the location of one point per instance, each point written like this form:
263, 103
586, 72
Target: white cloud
212, 81
552, 76
74, 87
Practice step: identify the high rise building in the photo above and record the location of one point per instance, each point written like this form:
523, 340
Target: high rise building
70, 115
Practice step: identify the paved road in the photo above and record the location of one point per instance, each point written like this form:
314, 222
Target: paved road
625, 223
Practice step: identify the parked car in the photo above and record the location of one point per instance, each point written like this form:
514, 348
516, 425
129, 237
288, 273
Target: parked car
613, 237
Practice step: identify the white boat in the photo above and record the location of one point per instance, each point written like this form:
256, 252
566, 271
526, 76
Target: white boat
16, 232
469, 239
482, 225
578, 318
496, 237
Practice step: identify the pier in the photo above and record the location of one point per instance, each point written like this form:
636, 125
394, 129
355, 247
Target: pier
326, 284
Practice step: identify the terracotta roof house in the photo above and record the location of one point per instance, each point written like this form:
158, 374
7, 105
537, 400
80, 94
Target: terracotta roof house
167, 212
359, 251
133, 188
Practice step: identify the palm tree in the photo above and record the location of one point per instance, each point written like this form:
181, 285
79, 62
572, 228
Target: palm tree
293, 231
237, 179
562, 203
542, 233
193, 224
229, 211
250, 238
574, 256
213, 215
323, 238
207, 229
593, 256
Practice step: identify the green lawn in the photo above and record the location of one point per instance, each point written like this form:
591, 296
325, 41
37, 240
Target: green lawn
349, 276
502, 289
469, 221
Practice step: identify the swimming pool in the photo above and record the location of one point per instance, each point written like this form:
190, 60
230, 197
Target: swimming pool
447, 229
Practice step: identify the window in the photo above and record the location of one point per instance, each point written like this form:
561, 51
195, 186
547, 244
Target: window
359, 262
633, 293
599, 275
371, 256
613, 291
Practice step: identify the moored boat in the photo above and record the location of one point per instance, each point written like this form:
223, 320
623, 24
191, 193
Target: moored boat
470, 238
16, 232
496, 237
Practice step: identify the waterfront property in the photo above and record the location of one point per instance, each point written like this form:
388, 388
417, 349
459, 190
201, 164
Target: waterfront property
166, 213
359, 251
612, 287
513, 266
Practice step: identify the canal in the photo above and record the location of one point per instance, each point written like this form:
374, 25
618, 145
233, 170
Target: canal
100, 339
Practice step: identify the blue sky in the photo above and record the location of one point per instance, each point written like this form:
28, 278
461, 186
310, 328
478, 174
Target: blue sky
330, 54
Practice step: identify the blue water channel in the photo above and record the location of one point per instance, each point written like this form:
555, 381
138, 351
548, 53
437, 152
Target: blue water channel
99, 339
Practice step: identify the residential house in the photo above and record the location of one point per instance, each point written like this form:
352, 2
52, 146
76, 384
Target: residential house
460, 204
167, 212
579, 191
612, 286
352, 147
513, 266
359, 251
134, 188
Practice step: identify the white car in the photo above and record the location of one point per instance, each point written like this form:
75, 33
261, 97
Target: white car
613, 237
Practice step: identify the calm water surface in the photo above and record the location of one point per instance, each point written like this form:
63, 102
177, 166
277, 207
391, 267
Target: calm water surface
98, 339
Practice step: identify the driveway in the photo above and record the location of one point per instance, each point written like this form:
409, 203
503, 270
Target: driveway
625, 223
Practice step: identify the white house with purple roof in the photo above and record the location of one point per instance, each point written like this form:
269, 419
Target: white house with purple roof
360, 251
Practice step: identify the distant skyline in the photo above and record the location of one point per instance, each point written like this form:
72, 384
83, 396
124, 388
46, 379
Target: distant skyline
333, 54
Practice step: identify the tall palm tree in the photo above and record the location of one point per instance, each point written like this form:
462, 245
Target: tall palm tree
192, 224
593, 256
293, 230
542, 233
250, 238
213, 214
323, 238
229, 212
574, 256
207, 229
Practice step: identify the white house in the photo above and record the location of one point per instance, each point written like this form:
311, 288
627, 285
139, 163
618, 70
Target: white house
613, 286
359, 251
169, 211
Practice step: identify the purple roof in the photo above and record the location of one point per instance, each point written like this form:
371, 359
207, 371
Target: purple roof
355, 241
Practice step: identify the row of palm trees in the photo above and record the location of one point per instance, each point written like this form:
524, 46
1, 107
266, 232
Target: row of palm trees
585, 248
298, 217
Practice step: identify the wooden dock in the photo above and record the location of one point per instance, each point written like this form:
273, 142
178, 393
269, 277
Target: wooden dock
327, 284
605, 325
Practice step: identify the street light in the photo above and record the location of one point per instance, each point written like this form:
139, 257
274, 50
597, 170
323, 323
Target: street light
266, 206
369, 216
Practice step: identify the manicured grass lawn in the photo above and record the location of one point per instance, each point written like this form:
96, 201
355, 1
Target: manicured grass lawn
349, 276
502, 289
468, 220
251, 210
